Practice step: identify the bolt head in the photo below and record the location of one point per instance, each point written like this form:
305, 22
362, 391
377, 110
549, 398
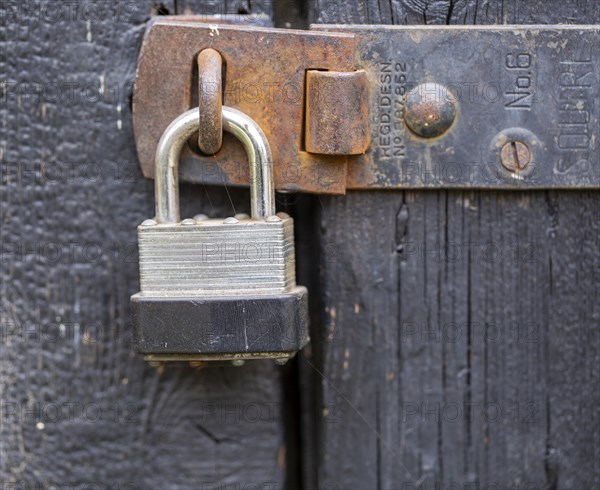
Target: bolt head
430, 110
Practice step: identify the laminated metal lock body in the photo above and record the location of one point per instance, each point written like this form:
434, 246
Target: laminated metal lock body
215, 289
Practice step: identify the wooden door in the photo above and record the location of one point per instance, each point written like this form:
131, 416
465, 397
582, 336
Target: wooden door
427, 367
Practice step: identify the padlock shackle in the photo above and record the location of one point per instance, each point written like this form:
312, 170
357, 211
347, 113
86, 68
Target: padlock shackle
166, 183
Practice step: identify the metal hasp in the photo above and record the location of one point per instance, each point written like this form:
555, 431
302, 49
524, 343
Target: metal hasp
533, 88
265, 73
218, 289
388, 107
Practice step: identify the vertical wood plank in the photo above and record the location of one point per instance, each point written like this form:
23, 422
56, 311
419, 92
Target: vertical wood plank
474, 357
78, 407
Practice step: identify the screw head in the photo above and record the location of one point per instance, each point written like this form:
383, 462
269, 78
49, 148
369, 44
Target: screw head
515, 156
230, 221
430, 109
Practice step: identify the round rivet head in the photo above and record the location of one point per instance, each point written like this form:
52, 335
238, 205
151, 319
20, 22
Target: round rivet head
188, 222
242, 216
149, 222
238, 362
282, 361
273, 219
283, 215
230, 221
200, 217
430, 110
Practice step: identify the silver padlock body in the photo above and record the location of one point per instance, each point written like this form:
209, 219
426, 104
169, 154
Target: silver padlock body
216, 258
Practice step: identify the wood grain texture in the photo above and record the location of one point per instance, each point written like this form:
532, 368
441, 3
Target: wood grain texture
415, 316
79, 409
459, 338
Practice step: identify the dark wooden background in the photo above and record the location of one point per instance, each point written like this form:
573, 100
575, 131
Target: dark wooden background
423, 304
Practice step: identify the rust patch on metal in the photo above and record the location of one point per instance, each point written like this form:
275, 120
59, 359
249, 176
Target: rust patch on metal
210, 101
337, 112
265, 79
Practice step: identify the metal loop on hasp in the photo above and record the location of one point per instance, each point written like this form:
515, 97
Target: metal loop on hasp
210, 101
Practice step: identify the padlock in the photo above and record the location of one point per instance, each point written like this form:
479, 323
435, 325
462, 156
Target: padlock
218, 289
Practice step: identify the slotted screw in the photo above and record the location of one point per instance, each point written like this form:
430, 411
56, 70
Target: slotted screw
515, 156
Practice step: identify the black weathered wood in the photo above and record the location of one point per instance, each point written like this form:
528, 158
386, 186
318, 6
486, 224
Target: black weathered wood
434, 302
78, 407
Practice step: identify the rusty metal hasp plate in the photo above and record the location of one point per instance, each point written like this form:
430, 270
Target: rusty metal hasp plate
264, 77
375, 107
